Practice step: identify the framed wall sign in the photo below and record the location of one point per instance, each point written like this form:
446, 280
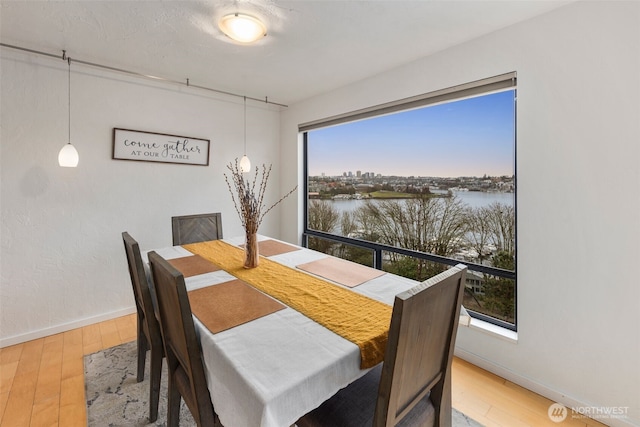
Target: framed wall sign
159, 147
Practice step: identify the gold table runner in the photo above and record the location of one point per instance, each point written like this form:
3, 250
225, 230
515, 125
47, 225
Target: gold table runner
357, 318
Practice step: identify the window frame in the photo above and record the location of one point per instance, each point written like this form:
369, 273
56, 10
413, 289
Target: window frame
507, 81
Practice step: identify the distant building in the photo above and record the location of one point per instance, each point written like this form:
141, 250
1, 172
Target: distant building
475, 282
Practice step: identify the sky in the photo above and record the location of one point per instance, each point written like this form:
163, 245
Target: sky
470, 137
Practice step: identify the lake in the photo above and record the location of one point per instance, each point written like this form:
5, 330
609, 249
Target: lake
474, 199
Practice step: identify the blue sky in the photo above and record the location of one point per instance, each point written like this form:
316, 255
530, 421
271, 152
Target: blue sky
471, 137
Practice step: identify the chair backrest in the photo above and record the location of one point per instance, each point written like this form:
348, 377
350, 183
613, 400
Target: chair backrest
182, 348
196, 228
420, 348
141, 290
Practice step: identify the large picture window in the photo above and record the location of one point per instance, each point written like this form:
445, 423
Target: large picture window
416, 186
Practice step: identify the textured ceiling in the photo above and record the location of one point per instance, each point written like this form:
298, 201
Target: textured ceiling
311, 47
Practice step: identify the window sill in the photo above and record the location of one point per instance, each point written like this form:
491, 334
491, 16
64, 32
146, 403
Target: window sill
494, 330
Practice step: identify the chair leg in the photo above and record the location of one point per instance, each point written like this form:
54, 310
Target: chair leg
441, 399
142, 351
154, 383
206, 414
173, 404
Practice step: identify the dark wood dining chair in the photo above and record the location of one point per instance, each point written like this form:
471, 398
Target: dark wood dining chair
196, 228
186, 372
412, 387
149, 337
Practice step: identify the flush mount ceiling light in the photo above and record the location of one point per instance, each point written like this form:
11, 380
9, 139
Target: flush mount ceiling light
242, 28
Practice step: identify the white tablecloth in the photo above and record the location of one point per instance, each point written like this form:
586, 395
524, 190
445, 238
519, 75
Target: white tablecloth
272, 370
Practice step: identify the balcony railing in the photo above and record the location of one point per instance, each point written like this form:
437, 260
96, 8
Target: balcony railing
378, 249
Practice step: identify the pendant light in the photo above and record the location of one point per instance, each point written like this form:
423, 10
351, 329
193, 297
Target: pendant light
245, 163
68, 155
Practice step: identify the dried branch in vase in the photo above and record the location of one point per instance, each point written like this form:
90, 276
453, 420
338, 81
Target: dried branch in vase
249, 204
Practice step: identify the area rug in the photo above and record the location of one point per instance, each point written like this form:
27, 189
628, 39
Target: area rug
114, 398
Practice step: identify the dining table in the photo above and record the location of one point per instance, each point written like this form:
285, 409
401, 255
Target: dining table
271, 346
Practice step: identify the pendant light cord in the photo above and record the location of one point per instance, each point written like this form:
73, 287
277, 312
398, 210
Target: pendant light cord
245, 163
69, 98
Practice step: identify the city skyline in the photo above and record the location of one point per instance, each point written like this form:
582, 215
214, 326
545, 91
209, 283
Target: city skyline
374, 174
470, 137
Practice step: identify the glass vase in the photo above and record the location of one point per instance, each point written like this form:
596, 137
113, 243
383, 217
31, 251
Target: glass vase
252, 258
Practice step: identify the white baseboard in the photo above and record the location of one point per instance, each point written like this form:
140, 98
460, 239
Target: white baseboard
17, 339
537, 387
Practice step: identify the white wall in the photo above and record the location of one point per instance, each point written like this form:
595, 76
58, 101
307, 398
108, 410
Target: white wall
578, 171
62, 257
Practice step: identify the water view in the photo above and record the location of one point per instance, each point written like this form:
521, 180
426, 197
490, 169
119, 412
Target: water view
438, 179
473, 199
471, 226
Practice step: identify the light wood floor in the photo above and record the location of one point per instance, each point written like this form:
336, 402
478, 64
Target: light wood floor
42, 383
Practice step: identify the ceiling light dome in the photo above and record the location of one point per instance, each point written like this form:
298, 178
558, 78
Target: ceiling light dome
242, 28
